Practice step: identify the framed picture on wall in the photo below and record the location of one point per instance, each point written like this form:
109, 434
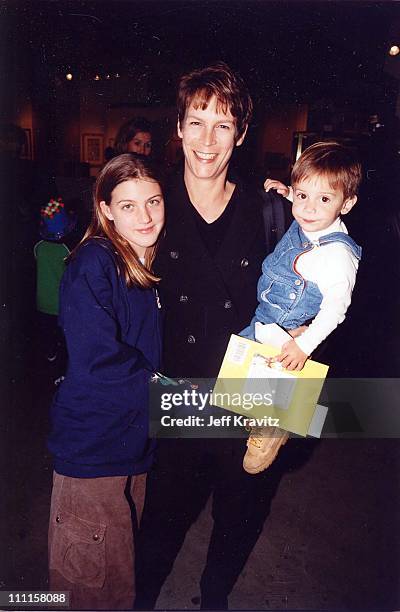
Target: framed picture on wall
92, 149
27, 149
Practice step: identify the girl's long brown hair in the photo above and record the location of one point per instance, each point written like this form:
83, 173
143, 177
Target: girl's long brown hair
120, 169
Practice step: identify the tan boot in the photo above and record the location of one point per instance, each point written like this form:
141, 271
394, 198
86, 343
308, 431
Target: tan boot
263, 446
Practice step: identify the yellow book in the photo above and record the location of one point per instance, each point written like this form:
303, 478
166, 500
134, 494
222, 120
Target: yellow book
247, 385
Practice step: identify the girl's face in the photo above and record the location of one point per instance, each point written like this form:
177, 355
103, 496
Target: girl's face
137, 210
140, 143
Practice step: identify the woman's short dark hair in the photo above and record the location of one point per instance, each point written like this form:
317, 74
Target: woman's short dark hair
218, 80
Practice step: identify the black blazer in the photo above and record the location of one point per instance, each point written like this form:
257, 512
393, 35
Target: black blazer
207, 299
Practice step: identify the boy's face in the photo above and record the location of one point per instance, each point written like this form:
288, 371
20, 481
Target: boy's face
316, 204
208, 139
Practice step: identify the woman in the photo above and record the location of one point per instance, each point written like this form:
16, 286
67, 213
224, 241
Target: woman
134, 136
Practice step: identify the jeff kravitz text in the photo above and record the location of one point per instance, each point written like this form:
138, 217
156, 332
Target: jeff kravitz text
227, 420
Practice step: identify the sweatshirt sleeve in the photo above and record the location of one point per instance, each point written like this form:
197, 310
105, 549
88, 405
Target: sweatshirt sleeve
91, 307
336, 276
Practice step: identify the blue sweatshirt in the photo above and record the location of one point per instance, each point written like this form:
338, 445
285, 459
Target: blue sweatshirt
113, 334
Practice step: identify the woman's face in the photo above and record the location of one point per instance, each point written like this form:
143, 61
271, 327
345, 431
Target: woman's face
140, 143
137, 210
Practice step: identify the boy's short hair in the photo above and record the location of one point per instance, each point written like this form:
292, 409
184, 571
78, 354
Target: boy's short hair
218, 80
337, 162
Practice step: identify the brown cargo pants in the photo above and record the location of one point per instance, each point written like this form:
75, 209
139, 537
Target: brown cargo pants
91, 539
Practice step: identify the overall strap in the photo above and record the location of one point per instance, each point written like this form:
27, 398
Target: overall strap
343, 238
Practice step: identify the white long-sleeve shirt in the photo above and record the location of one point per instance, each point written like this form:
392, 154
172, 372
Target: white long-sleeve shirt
333, 268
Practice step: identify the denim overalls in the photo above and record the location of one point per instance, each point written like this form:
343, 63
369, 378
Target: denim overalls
284, 296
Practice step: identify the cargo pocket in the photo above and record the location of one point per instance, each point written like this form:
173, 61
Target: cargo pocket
78, 550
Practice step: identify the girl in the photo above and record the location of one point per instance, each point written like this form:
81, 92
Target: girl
110, 315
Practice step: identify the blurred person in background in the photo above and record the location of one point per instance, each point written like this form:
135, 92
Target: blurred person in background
134, 136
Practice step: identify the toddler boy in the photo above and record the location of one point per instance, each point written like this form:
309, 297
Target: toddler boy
311, 273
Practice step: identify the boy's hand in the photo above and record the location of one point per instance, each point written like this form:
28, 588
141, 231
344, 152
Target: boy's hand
287, 192
291, 356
